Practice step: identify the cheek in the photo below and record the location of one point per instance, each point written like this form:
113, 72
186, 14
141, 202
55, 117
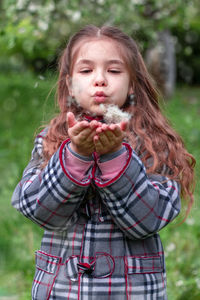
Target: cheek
79, 86
123, 91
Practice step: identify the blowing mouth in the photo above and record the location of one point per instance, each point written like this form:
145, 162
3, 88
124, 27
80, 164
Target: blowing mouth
100, 97
100, 94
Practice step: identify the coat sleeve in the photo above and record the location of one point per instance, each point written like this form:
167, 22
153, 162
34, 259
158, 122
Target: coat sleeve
49, 197
139, 204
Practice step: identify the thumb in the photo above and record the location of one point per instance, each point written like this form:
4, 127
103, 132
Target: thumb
71, 120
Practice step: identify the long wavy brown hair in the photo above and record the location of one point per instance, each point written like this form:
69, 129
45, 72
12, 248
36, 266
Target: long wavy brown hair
159, 143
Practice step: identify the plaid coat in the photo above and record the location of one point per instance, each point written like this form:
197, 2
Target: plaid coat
101, 239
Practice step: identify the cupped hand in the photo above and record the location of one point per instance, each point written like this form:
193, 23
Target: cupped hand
81, 134
109, 138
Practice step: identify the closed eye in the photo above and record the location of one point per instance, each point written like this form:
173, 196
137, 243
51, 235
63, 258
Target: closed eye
85, 71
114, 71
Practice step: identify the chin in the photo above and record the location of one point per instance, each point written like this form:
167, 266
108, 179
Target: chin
93, 112
97, 111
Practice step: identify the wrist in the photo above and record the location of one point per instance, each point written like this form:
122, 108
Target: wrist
109, 156
115, 149
79, 151
110, 151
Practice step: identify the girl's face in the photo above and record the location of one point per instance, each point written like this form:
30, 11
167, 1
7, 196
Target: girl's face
99, 75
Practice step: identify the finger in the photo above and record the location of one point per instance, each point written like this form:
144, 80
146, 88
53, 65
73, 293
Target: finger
116, 130
79, 126
71, 121
123, 125
94, 124
99, 130
86, 135
98, 145
110, 134
103, 139
95, 138
105, 127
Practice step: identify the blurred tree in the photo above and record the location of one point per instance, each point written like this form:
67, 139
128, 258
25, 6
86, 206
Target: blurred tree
161, 62
34, 31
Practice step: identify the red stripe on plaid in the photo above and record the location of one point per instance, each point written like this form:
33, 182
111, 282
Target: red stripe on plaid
28, 181
151, 209
136, 223
42, 283
126, 276
54, 212
51, 243
130, 287
110, 285
73, 239
70, 287
79, 285
163, 281
173, 187
48, 261
51, 211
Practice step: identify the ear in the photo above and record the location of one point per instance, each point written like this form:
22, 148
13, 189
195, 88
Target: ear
69, 85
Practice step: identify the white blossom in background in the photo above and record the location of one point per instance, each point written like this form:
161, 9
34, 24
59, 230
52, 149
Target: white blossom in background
137, 2
36, 85
76, 16
198, 282
42, 25
41, 77
190, 221
33, 7
22, 30
171, 247
50, 6
20, 4
179, 283
101, 2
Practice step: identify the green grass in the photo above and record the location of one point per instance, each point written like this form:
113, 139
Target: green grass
24, 99
23, 106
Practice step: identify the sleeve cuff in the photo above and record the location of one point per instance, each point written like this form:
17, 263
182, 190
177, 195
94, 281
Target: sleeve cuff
81, 157
77, 169
111, 165
106, 157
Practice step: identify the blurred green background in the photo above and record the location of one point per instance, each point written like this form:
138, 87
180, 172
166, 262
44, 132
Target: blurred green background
32, 35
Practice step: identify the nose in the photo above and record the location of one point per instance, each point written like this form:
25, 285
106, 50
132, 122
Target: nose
100, 79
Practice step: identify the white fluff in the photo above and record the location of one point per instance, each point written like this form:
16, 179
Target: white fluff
113, 114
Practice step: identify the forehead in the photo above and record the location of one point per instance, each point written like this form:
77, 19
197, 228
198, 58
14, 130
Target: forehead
97, 49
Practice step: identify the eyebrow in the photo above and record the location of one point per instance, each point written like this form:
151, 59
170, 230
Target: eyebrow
108, 62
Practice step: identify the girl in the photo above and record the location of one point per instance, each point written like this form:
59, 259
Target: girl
102, 191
